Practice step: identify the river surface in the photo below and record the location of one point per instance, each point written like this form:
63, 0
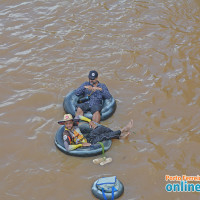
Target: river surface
148, 54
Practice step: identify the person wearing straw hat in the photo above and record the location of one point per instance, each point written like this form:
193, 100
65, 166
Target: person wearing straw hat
73, 138
96, 92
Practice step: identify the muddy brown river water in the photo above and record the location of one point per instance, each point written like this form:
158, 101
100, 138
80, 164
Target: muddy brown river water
147, 53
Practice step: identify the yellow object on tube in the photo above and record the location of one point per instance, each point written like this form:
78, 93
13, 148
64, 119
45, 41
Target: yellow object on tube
84, 118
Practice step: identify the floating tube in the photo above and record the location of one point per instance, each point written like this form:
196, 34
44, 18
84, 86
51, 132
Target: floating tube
99, 195
70, 103
93, 150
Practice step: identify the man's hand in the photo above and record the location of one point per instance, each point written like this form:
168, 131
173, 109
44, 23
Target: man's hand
92, 125
96, 88
89, 87
86, 144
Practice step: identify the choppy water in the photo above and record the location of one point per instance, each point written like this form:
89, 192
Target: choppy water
148, 54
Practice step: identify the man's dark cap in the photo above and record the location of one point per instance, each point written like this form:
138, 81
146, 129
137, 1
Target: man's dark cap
93, 74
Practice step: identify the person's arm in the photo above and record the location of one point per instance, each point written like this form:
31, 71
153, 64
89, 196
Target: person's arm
83, 118
80, 91
71, 147
105, 92
68, 146
91, 123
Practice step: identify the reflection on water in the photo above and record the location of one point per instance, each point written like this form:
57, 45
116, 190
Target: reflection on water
147, 52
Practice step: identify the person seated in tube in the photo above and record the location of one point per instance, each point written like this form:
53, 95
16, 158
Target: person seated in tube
97, 92
73, 138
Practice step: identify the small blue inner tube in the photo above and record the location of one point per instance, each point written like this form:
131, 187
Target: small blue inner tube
93, 150
70, 104
99, 194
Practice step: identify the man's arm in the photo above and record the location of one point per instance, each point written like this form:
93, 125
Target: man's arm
71, 147
91, 123
67, 144
105, 92
80, 91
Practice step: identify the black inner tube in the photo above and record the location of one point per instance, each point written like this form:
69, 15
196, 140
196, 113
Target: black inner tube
93, 150
70, 105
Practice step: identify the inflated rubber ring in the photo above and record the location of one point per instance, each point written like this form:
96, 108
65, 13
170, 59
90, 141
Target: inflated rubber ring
70, 104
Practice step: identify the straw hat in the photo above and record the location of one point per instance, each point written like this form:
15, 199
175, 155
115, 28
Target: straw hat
67, 117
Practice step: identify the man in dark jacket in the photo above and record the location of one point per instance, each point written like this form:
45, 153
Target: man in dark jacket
97, 92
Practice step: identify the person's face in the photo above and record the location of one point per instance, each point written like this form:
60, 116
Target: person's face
93, 82
69, 124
